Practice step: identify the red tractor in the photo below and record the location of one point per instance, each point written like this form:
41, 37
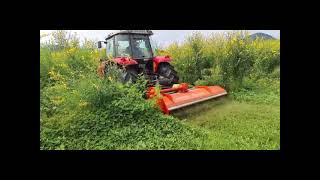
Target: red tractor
131, 50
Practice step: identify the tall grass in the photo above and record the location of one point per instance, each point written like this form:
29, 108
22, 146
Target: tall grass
225, 59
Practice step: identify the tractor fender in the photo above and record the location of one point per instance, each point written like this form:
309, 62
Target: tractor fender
125, 61
160, 59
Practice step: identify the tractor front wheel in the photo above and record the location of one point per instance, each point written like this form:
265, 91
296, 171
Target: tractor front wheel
130, 74
166, 70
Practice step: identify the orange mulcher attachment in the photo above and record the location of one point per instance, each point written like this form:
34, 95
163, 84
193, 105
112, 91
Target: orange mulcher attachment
180, 96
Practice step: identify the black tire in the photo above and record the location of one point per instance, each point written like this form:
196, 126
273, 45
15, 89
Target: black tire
167, 70
130, 74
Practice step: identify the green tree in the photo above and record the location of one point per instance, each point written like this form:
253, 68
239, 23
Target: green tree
62, 39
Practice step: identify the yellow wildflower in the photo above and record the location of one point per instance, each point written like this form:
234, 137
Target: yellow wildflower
57, 100
83, 103
97, 87
64, 85
55, 75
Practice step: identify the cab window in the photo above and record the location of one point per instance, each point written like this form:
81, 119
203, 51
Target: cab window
110, 48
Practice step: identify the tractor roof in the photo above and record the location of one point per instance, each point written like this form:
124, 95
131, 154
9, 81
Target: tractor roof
146, 32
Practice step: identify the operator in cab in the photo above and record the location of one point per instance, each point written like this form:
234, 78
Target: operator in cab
136, 50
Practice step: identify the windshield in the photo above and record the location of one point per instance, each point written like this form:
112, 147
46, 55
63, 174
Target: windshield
141, 46
122, 45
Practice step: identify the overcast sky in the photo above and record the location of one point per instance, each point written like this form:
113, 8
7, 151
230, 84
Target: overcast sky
163, 37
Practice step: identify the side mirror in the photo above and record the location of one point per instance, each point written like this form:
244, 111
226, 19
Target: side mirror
99, 44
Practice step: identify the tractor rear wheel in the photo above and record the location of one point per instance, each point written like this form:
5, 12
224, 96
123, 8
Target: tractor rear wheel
130, 74
167, 71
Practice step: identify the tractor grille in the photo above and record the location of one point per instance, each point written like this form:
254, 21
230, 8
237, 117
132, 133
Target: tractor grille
145, 64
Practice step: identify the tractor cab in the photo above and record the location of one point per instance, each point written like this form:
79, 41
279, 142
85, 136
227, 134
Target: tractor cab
134, 44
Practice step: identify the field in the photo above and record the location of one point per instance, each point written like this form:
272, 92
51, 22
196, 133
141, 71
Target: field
80, 111
236, 125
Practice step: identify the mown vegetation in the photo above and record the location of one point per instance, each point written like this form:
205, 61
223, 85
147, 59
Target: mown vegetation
78, 110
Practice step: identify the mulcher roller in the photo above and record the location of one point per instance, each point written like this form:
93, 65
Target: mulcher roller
180, 96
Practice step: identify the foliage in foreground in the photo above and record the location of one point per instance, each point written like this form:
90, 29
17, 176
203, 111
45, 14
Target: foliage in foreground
81, 111
112, 116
